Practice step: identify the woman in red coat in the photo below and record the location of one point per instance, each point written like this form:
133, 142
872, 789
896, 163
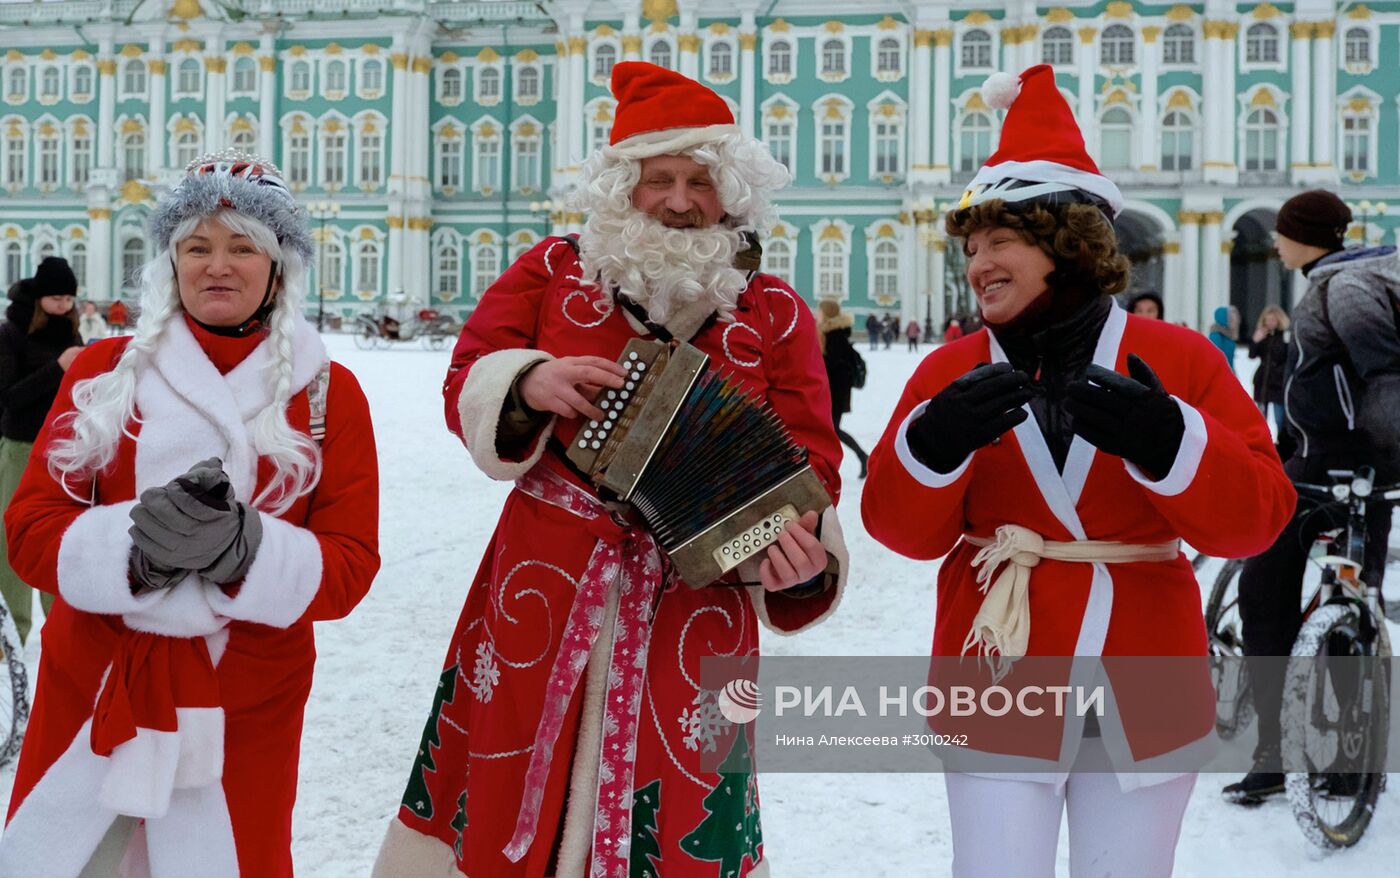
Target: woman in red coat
1057, 459
201, 493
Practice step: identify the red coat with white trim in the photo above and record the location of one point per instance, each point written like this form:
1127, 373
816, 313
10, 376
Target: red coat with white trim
466, 787
315, 562
1226, 495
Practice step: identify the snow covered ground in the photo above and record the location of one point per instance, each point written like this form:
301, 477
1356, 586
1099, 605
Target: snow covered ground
377, 671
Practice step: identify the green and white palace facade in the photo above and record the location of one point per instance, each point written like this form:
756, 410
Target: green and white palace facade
433, 141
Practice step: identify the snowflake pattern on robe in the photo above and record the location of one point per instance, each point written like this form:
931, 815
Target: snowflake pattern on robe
486, 674
703, 723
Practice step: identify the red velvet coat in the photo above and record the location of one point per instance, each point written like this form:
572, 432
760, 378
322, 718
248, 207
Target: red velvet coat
316, 562
466, 788
1226, 495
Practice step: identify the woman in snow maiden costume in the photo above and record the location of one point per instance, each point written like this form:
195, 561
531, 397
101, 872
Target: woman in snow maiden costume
1057, 458
201, 493
570, 734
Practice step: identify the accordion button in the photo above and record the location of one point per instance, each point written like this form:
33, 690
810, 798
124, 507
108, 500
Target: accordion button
641, 367
632, 356
612, 394
625, 394
583, 443
588, 434
629, 386
597, 445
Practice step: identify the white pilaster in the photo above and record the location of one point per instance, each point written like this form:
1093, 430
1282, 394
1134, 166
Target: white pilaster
574, 124
401, 90
1219, 99
1215, 275
1148, 111
1190, 261
632, 33
267, 95
688, 42
1173, 295
1088, 68
915, 277
920, 106
942, 105
214, 93
157, 139
748, 43
99, 271
1300, 104
1324, 112
937, 266
106, 113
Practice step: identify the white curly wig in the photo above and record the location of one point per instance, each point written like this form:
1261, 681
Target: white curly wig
661, 267
104, 404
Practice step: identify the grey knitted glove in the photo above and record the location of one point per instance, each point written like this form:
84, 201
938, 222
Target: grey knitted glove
194, 523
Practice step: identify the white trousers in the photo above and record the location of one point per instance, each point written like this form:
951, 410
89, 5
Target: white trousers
1011, 828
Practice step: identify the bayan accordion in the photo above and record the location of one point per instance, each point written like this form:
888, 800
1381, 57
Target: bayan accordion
711, 469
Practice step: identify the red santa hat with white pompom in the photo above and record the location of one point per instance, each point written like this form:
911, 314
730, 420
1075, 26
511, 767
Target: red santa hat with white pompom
1041, 151
660, 112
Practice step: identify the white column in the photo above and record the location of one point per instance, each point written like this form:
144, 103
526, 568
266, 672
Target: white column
1030, 46
1190, 308
1088, 68
942, 104
1228, 172
1147, 138
401, 106
915, 278
937, 265
106, 112
574, 124
267, 95
748, 42
632, 34
214, 94
99, 266
1324, 113
416, 266
1173, 296
1215, 281
920, 103
157, 138
563, 115
1300, 104
688, 42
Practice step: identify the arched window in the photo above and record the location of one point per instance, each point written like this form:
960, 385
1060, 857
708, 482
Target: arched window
301, 77
1116, 45
18, 88
333, 267
1115, 138
82, 81
245, 75
831, 269
721, 61
299, 153
16, 157
1179, 45
133, 257
485, 267
604, 57
833, 58
186, 148
1057, 46
1358, 46
975, 141
243, 139
14, 262
777, 259
187, 77
660, 53
887, 56
527, 84
1356, 143
449, 262
977, 49
1261, 44
1261, 130
133, 155
134, 78
46, 250
335, 77
77, 260
50, 83
488, 83
884, 272
367, 269
1178, 141
780, 58
372, 75
49, 149
450, 82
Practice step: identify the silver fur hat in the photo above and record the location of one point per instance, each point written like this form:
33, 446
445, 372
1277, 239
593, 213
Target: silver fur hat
244, 182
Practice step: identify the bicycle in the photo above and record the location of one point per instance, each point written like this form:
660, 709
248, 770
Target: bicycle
1340, 618
14, 689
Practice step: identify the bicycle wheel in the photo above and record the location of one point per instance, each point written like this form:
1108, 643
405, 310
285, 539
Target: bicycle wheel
1234, 701
1335, 714
14, 689
365, 336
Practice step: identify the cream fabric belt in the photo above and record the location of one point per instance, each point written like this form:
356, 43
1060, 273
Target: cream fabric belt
1002, 627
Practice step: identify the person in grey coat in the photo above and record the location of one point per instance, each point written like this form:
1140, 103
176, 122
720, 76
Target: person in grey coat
1341, 411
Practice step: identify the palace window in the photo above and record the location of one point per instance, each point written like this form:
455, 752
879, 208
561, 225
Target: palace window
1057, 46
301, 77
134, 155
887, 56
1261, 44
974, 141
372, 75
777, 258
976, 49
245, 76
450, 84
335, 78
1356, 143
1261, 133
1179, 45
604, 57
1178, 141
833, 58
527, 84
187, 77
780, 58
1358, 46
50, 83
367, 269
660, 53
186, 148
133, 79
831, 269
1116, 45
49, 147
81, 163
884, 272
721, 61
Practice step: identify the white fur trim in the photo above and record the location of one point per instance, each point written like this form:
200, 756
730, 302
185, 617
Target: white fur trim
1188, 457
142, 773
405, 853
834, 541
670, 141
925, 476
181, 611
483, 393
92, 560
282, 581
1000, 90
1040, 171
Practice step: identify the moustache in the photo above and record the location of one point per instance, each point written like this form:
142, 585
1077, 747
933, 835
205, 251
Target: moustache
692, 218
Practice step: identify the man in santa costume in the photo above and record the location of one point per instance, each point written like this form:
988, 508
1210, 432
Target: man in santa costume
1057, 458
201, 493
569, 735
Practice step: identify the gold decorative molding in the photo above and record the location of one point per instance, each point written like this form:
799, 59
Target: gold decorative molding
1180, 100
1265, 11
1359, 105
603, 30
1171, 248
81, 55
1180, 12
48, 55
1360, 12
132, 126
975, 102
449, 57
1150, 34
107, 66
395, 222
370, 48
185, 9
1087, 34
1263, 98
887, 23
156, 66
1059, 15
333, 49
130, 50
297, 51
632, 43
267, 64
1301, 30
659, 10
1189, 218
747, 41
1226, 247
688, 42
719, 29
422, 64
187, 45
1324, 30
578, 45
527, 56
923, 38
943, 38
185, 125
489, 55
215, 64
976, 17
398, 60
834, 27
780, 26
1212, 218
242, 49
135, 192
1118, 9
832, 233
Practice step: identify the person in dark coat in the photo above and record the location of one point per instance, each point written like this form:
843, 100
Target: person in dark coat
874, 329
1269, 345
38, 342
1148, 305
840, 357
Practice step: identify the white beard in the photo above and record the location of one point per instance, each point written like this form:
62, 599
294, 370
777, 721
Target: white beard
660, 268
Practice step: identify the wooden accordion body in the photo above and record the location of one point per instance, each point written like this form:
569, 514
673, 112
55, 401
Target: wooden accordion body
712, 470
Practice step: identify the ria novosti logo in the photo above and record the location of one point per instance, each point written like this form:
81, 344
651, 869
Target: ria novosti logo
740, 701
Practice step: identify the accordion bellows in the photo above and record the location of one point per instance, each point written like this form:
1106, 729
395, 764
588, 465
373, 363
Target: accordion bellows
710, 468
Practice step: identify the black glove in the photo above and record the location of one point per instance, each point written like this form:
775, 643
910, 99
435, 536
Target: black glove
1132, 417
194, 523
969, 413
